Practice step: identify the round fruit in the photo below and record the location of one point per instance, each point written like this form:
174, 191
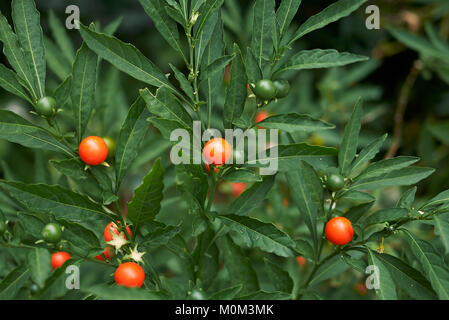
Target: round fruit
301, 261
93, 150
238, 188
110, 143
2, 228
265, 89
129, 274
360, 288
108, 253
46, 106
217, 151
260, 116
113, 227
52, 233
282, 88
339, 231
335, 182
59, 258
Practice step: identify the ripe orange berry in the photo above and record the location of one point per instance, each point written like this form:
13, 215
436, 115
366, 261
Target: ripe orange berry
59, 258
217, 151
129, 274
108, 253
93, 150
113, 227
339, 231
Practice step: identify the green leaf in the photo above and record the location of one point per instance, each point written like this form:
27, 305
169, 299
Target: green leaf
263, 295
13, 282
209, 8
167, 106
216, 66
263, 26
10, 82
29, 32
407, 198
367, 153
206, 254
440, 200
256, 233
58, 64
236, 174
252, 197
62, 92
80, 240
289, 155
146, 202
160, 236
386, 289
384, 166
237, 90
124, 57
63, 203
357, 197
204, 37
227, 294
18, 130
166, 126
307, 192
72, 168
164, 24
131, 135
402, 177
84, 76
294, 122
16, 56
39, 264
348, 147
406, 277
334, 12
238, 266
285, 14
253, 70
107, 292
61, 37
279, 277
386, 215
432, 263
331, 268
318, 58
441, 223
183, 82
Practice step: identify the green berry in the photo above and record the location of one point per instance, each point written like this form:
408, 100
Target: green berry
265, 89
46, 106
52, 233
335, 182
282, 88
111, 145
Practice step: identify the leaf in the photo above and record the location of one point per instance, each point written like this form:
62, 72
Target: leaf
160, 236
348, 146
238, 265
9, 82
357, 197
204, 36
241, 175
215, 67
57, 63
62, 92
386, 289
407, 199
263, 295
384, 166
407, 278
440, 200
124, 57
18, 130
386, 215
253, 71
131, 135
207, 11
279, 277
72, 168
13, 282
183, 82
206, 254
286, 13
252, 197
227, 294
294, 122
432, 263
80, 240
39, 264
331, 268
318, 58
256, 233
368, 153
441, 223
146, 202
84, 76
237, 90
307, 192
16, 56
107, 292
61, 202
334, 12
165, 105
61, 37
402, 177
29, 32
166, 27
287, 156
263, 26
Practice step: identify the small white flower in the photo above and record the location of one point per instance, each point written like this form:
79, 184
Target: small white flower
135, 255
118, 241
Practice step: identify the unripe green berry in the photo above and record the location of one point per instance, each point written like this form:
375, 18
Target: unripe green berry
265, 89
335, 182
52, 233
282, 88
46, 106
